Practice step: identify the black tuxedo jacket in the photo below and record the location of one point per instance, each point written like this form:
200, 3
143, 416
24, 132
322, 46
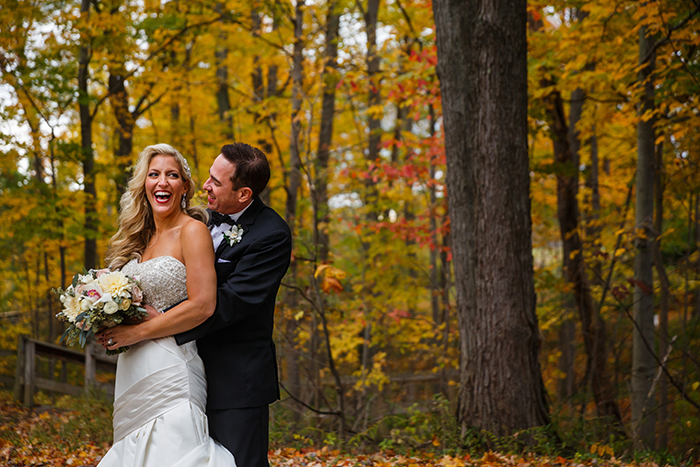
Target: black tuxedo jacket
235, 343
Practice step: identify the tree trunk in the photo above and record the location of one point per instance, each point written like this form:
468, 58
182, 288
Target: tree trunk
374, 122
325, 136
696, 309
659, 186
223, 103
592, 324
482, 65
592, 228
119, 98
86, 148
294, 180
643, 362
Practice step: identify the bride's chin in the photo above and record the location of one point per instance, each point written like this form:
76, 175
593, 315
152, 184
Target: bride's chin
162, 210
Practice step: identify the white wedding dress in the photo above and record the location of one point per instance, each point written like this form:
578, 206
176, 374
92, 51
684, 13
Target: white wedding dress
161, 390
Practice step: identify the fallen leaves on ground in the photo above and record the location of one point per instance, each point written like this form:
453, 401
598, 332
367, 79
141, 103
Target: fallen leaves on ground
55, 437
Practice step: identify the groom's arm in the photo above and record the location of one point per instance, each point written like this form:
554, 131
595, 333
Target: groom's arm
256, 276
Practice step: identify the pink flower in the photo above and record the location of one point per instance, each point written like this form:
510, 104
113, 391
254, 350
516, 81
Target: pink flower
92, 291
136, 295
100, 272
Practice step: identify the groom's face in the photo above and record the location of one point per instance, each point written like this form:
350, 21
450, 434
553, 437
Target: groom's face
221, 197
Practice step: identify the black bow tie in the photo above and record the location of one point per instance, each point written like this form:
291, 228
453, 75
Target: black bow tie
217, 219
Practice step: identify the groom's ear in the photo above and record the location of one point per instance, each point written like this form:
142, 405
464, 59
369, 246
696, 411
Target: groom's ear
245, 194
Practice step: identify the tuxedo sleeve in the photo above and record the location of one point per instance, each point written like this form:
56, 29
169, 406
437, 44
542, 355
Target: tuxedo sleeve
257, 275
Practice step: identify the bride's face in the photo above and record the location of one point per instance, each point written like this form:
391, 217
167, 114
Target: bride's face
164, 185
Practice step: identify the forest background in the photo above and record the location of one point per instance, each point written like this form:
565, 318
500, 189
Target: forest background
344, 98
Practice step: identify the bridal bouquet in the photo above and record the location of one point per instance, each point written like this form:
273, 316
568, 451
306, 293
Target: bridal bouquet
97, 299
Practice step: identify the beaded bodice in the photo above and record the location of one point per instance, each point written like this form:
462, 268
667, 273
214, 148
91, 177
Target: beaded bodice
163, 280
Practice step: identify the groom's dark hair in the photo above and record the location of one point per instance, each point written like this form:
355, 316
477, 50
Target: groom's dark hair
251, 166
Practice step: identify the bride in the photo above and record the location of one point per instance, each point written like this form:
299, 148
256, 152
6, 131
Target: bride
160, 389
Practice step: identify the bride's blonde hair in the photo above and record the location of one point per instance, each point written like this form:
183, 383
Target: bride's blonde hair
136, 226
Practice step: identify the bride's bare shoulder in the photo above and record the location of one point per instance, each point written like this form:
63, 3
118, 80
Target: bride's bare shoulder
193, 229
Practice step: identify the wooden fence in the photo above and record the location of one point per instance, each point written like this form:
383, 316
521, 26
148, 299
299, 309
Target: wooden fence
27, 381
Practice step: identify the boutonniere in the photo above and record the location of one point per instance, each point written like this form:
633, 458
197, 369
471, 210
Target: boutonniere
234, 235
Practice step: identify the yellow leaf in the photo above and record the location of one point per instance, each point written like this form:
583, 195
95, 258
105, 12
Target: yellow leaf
375, 111
299, 315
320, 269
695, 385
337, 273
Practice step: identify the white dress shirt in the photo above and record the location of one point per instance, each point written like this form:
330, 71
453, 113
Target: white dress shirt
217, 231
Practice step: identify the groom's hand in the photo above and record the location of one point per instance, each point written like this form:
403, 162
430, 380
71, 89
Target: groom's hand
151, 313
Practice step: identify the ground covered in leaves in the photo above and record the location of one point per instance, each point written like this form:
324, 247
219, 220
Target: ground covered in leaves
77, 432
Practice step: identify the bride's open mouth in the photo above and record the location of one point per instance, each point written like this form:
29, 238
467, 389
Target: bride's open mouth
162, 197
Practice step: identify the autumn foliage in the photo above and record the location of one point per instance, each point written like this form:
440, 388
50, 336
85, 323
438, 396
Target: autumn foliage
366, 327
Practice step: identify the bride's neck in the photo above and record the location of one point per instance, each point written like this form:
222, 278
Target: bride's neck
166, 223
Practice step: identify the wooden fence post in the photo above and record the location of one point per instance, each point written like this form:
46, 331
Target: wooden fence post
90, 366
29, 358
19, 369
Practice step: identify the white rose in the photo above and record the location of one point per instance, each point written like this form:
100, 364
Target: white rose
85, 304
111, 307
86, 279
126, 303
72, 308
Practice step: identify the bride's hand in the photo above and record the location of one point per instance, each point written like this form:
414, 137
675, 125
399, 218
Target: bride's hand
118, 336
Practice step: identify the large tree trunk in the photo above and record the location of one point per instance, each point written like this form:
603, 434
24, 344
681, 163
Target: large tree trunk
88, 157
482, 64
643, 361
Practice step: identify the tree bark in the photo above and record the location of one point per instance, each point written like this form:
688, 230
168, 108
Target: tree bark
643, 361
90, 225
482, 65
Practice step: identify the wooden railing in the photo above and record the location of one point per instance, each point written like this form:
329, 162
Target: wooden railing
27, 381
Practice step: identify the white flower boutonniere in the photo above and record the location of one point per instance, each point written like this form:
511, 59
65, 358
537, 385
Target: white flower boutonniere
234, 235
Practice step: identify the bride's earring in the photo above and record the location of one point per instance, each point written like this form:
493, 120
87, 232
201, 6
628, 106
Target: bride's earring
183, 203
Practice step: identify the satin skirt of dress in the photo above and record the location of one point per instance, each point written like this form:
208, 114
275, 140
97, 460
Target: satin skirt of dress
159, 418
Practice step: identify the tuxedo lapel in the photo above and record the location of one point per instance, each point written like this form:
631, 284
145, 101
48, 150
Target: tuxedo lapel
250, 214
246, 220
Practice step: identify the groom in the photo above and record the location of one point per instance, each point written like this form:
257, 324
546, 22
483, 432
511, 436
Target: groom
235, 343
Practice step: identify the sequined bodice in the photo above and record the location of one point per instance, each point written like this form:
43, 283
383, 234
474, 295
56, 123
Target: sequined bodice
163, 280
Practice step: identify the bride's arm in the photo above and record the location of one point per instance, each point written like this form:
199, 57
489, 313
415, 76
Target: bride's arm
198, 253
